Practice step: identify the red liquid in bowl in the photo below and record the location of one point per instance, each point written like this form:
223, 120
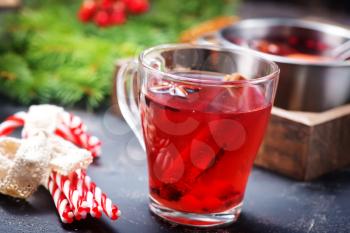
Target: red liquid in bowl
201, 148
292, 47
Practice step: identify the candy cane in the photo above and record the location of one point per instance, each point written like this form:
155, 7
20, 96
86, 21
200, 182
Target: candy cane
80, 206
108, 207
75, 186
71, 128
78, 178
61, 203
11, 123
78, 197
95, 208
74, 130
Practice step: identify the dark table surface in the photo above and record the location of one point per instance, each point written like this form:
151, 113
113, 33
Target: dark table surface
272, 203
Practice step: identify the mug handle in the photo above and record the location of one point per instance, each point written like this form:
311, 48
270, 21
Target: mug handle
128, 93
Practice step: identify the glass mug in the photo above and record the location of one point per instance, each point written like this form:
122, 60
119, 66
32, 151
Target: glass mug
200, 112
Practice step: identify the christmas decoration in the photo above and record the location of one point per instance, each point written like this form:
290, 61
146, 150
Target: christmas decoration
110, 12
47, 55
47, 156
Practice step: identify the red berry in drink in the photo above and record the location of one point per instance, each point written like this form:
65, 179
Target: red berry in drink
310, 44
211, 204
293, 40
102, 19
191, 202
87, 10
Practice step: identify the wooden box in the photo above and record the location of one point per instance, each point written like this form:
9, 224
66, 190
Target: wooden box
305, 145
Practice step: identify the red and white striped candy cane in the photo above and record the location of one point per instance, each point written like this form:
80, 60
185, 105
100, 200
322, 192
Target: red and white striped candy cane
11, 123
71, 128
108, 207
95, 209
86, 194
76, 214
75, 185
80, 206
74, 130
61, 203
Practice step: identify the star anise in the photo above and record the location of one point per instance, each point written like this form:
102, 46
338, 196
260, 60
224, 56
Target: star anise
173, 89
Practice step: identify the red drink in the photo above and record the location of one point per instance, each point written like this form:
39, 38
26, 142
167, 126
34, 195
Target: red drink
202, 126
293, 47
201, 147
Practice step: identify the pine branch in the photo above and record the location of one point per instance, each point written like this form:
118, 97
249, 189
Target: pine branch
47, 55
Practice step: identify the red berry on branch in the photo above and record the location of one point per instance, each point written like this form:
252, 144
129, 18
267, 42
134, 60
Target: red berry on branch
137, 6
101, 18
117, 17
87, 10
106, 4
119, 6
108, 12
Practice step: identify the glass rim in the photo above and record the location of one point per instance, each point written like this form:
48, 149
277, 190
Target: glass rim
164, 47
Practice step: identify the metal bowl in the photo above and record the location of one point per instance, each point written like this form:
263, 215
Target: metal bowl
303, 85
